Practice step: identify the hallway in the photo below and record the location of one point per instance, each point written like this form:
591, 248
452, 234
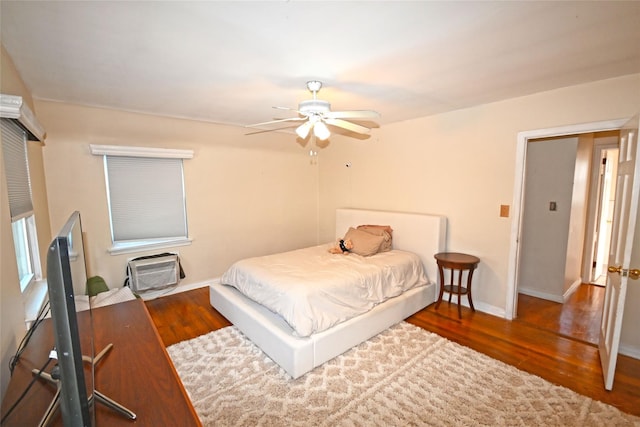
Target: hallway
578, 318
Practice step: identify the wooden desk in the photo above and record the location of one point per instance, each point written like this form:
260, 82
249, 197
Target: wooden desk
136, 373
456, 262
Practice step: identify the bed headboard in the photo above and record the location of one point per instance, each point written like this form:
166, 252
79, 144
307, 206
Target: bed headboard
423, 234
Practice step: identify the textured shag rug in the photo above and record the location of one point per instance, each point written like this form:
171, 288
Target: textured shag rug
405, 376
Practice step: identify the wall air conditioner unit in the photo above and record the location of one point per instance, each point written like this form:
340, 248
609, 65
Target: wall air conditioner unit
150, 273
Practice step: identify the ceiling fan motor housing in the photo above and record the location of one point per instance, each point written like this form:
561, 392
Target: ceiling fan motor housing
314, 106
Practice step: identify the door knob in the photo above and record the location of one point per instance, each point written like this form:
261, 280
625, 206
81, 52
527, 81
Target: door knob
634, 273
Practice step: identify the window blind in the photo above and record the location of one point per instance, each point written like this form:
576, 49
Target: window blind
146, 198
16, 166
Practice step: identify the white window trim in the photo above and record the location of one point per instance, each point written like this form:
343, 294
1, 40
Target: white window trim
129, 151
34, 252
128, 248
35, 297
126, 151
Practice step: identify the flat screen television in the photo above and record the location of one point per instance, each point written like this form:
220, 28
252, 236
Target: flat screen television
67, 277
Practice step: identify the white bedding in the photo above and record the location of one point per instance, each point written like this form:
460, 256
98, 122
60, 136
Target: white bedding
314, 290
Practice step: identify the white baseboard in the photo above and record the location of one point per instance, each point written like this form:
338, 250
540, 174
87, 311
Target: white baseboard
552, 297
192, 286
176, 289
633, 352
574, 287
479, 306
543, 295
490, 309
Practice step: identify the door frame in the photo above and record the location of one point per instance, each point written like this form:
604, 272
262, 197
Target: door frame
523, 138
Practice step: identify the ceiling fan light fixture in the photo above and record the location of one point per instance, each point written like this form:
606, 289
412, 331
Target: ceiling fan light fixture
315, 114
321, 131
303, 129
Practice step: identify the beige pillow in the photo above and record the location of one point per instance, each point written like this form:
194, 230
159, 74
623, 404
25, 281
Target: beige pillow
364, 244
380, 230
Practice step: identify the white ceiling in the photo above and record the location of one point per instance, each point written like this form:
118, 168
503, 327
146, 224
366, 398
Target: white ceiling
230, 62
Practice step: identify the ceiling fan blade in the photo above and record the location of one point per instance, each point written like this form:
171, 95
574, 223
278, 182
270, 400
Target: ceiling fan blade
354, 114
257, 131
347, 125
302, 113
291, 119
285, 108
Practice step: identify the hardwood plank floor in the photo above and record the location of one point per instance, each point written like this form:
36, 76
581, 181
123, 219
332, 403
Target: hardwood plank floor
183, 316
569, 362
579, 317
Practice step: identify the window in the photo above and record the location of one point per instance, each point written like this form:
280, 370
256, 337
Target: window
146, 197
16, 165
24, 239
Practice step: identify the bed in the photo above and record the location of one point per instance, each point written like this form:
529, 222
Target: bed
298, 353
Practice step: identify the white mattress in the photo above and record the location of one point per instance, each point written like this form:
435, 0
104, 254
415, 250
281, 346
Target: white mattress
314, 290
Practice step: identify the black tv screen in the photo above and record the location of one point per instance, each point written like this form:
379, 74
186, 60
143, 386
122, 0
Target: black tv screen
67, 277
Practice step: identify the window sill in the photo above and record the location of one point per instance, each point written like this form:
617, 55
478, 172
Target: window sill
34, 299
127, 248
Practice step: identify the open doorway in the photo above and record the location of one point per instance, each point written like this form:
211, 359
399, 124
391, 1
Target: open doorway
567, 205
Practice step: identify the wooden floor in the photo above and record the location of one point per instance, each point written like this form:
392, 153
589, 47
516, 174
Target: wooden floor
579, 317
562, 360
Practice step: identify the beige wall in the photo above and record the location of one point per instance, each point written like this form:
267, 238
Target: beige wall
462, 164
10, 81
246, 195
544, 240
12, 324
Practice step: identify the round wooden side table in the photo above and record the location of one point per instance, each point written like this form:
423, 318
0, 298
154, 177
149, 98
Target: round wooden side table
455, 261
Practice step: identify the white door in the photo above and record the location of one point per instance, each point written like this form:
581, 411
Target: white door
624, 258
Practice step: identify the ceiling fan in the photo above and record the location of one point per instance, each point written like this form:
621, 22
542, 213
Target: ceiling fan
316, 114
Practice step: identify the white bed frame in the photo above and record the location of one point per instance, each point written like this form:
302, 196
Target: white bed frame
419, 233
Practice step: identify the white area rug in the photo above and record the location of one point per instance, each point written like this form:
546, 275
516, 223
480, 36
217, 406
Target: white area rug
405, 376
